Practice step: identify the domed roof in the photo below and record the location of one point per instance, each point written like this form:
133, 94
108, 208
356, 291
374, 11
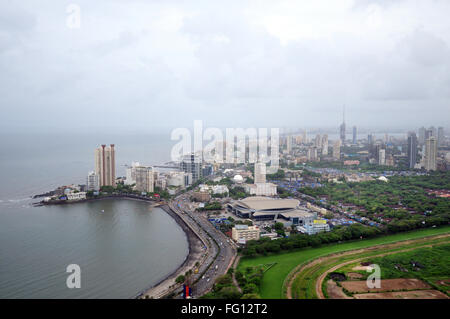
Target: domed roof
238, 178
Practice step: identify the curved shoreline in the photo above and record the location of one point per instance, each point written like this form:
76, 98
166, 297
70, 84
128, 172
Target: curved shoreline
192, 238
190, 259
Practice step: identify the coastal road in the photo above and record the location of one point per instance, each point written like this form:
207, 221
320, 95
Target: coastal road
223, 245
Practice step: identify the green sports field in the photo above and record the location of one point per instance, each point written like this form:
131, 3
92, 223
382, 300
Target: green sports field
272, 283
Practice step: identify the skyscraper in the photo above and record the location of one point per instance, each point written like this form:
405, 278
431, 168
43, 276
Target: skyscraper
430, 153
422, 135
337, 149
342, 128
318, 141
440, 136
105, 165
429, 133
382, 157
312, 154
260, 173
325, 144
289, 144
145, 179
412, 149
192, 164
376, 152
354, 135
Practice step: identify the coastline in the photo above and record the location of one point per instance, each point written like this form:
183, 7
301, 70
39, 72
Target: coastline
166, 285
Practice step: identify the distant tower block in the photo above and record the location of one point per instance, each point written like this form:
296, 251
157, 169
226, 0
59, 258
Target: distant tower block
260, 173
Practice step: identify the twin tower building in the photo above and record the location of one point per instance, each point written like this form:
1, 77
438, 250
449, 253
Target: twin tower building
105, 167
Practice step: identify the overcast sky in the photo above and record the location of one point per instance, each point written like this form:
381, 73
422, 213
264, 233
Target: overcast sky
148, 65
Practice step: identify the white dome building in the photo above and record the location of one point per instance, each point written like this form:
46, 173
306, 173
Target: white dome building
383, 179
238, 179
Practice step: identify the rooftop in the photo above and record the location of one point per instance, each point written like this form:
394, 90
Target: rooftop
264, 203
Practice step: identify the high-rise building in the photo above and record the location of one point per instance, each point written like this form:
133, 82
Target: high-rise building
130, 178
337, 149
354, 135
433, 131
440, 136
382, 157
430, 153
312, 154
105, 165
412, 149
421, 136
429, 133
370, 139
376, 152
325, 144
260, 173
192, 164
93, 182
145, 179
342, 132
318, 141
342, 128
289, 144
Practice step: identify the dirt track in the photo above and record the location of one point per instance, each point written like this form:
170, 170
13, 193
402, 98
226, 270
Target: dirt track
291, 277
386, 285
417, 294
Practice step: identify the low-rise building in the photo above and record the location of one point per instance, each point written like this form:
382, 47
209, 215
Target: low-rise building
262, 208
145, 181
261, 189
220, 189
201, 196
242, 233
298, 217
76, 196
317, 226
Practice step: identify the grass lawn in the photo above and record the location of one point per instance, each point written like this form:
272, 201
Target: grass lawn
272, 282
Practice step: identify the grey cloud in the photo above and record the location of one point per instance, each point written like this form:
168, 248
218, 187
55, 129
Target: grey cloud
163, 64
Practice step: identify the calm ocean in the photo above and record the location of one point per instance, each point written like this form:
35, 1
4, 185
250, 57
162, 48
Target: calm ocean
121, 251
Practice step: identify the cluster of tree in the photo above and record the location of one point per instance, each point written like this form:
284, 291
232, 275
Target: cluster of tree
279, 229
249, 283
108, 189
393, 200
276, 176
283, 193
224, 181
308, 173
238, 192
211, 206
223, 289
122, 188
227, 226
162, 193
264, 246
249, 180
